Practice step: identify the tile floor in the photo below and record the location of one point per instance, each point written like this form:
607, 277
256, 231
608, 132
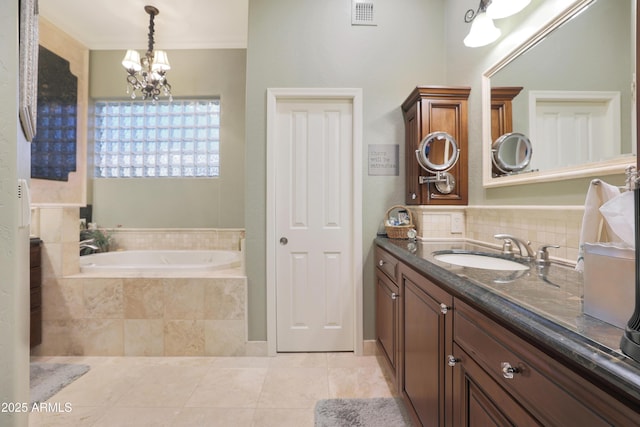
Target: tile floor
210, 391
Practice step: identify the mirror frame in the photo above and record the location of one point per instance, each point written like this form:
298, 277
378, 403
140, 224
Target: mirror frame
608, 167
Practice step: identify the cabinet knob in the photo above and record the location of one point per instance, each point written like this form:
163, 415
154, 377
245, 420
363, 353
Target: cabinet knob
394, 295
451, 360
381, 263
508, 370
443, 308
413, 196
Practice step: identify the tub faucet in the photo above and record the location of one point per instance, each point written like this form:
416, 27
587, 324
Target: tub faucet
89, 244
523, 246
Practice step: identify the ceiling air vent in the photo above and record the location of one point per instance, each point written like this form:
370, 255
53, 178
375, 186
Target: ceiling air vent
362, 12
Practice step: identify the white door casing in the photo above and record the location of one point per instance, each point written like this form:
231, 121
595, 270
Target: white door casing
314, 164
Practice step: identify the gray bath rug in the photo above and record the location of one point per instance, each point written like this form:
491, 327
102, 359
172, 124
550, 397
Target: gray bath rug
383, 412
46, 379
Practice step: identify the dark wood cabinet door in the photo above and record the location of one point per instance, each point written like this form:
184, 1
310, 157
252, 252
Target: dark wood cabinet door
425, 338
413, 132
480, 401
387, 318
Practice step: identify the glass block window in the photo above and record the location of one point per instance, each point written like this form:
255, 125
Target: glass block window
142, 139
53, 149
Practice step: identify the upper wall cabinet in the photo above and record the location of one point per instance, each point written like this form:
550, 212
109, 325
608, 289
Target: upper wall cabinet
436, 135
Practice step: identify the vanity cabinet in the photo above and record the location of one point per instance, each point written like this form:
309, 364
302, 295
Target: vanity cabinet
387, 310
435, 109
457, 365
35, 287
425, 341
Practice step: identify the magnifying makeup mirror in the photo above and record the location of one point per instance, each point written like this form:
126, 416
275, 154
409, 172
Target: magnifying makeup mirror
511, 153
437, 153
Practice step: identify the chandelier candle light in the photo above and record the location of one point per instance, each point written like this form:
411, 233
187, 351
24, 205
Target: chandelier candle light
149, 74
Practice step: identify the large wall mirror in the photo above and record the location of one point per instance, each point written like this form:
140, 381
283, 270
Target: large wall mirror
576, 103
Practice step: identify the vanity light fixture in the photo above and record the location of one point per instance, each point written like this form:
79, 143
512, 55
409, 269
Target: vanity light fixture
498, 9
149, 74
482, 31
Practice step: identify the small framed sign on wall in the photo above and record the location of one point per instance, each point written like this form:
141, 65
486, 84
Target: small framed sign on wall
28, 79
383, 159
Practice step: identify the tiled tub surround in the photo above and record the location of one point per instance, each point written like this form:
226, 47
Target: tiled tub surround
176, 238
83, 314
559, 225
138, 316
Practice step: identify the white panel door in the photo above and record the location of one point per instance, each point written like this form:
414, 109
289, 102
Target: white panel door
314, 220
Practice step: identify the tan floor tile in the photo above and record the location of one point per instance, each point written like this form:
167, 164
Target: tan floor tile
102, 385
294, 387
266, 417
210, 391
300, 360
242, 362
163, 387
348, 360
358, 383
214, 417
83, 416
137, 417
229, 388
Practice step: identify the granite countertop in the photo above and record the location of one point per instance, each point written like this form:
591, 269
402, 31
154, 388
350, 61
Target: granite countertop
540, 304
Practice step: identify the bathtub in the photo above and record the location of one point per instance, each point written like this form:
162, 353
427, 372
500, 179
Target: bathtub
159, 261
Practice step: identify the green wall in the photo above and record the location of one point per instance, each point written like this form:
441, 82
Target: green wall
182, 202
296, 43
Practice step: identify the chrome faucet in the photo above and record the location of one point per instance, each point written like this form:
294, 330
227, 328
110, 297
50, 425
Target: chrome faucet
89, 244
523, 246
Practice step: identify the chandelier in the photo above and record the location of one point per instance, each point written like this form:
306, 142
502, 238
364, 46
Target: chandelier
148, 75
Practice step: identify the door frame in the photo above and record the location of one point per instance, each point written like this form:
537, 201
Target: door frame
355, 96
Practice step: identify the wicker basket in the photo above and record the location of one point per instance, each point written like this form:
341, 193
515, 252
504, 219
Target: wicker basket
398, 231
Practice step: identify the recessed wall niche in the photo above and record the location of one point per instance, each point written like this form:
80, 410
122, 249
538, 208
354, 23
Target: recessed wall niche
53, 149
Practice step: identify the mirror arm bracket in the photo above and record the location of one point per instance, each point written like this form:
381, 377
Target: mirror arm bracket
438, 177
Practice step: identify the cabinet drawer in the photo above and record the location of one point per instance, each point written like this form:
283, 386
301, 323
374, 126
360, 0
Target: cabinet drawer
387, 264
554, 394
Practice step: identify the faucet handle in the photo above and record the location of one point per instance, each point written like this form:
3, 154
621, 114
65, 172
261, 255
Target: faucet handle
507, 243
542, 256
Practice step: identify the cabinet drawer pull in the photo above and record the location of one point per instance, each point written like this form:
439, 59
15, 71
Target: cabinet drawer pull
443, 308
451, 360
381, 263
508, 370
394, 295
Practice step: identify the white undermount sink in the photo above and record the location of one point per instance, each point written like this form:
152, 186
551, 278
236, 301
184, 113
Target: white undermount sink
480, 260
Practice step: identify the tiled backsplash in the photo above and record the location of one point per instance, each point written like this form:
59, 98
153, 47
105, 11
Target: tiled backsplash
559, 225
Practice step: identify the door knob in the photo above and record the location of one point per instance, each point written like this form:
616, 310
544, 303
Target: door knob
284, 241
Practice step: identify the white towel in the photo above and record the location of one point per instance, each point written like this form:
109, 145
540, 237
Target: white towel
592, 222
618, 214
